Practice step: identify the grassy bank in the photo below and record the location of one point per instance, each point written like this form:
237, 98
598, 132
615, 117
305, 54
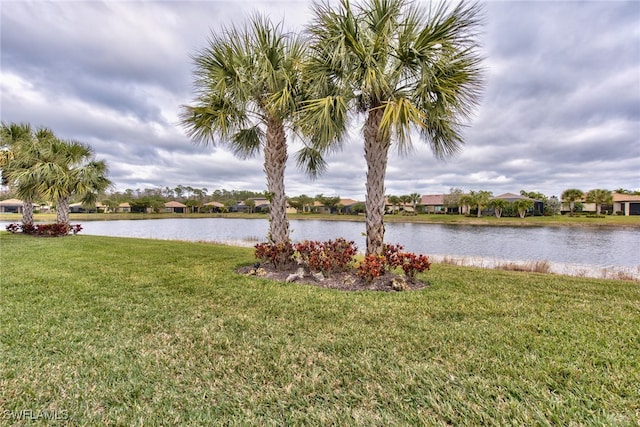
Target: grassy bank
532, 221
98, 330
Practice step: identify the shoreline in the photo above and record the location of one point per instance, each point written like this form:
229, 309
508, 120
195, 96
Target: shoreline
609, 221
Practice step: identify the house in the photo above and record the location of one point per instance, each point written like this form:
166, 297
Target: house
626, 204
346, 206
175, 207
538, 205
432, 203
79, 208
12, 206
123, 207
214, 207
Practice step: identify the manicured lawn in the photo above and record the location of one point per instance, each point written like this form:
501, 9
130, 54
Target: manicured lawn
110, 331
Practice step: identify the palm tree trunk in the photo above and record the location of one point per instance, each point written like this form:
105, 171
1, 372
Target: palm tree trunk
62, 210
275, 159
376, 150
27, 211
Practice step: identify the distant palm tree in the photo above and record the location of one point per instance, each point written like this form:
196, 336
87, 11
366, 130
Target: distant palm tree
248, 86
571, 195
599, 197
498, 206
405, 68
415, 199
523, 206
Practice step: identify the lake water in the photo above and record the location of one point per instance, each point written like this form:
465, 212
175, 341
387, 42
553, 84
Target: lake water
588, 251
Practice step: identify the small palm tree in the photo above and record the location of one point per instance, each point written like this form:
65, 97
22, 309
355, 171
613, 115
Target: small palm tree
571, 195
523, 206
498, 206
405, 68
599, 197
248, 86
415, 199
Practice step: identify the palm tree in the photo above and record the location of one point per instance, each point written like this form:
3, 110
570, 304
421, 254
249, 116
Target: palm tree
415, 199
405, 68
571, 195
248, 85
523, 206
599, 197
67, 169
22, 147
498, 206
479, 199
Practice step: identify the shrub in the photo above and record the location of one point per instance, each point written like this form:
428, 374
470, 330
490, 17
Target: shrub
391, 254
327, 257
412, 264
51, 230
279, 254
371, 267
13, 228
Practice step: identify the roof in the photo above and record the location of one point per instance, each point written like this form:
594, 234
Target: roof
216, 204
347, 202
618, 197
174, 204
124, 205
11, 202
511, 196
432, 199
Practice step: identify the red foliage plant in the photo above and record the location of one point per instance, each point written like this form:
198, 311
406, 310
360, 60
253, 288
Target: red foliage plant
327, 257
371, 267
51, 230
279, 254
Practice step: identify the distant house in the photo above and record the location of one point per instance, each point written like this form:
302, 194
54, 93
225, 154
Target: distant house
346, 206
175, 207
79, 208
538, 205
12, 206
432, 203
214, 207
627, 204
15, 206
123, 207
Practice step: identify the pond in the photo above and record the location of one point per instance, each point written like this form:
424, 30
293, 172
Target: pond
581, 248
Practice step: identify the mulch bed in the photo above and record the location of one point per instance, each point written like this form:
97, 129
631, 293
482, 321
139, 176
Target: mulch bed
343, 281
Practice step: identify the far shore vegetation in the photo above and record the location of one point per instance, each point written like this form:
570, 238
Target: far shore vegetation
555, 220
115, 331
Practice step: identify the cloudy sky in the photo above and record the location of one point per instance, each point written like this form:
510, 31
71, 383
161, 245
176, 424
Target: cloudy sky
561, 108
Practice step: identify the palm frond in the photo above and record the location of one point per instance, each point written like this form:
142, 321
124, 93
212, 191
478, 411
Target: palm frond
311, 161
246, 142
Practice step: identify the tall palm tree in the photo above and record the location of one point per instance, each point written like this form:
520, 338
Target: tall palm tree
406, 68
599, 197
248, 91
67, 169
571, 195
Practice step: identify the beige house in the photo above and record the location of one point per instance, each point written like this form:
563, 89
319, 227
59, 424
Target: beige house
175, 207
15, 206
626, 203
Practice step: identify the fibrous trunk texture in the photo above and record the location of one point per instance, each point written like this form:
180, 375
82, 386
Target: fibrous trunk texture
376, 150
27, 212
275, 159
62, 210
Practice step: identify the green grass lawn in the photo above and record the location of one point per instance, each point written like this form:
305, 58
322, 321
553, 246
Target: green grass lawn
111, 331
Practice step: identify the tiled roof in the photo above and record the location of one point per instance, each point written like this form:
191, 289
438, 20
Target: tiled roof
174, 204
432, 200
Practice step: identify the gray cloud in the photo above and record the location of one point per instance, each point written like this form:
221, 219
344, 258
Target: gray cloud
561, 106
